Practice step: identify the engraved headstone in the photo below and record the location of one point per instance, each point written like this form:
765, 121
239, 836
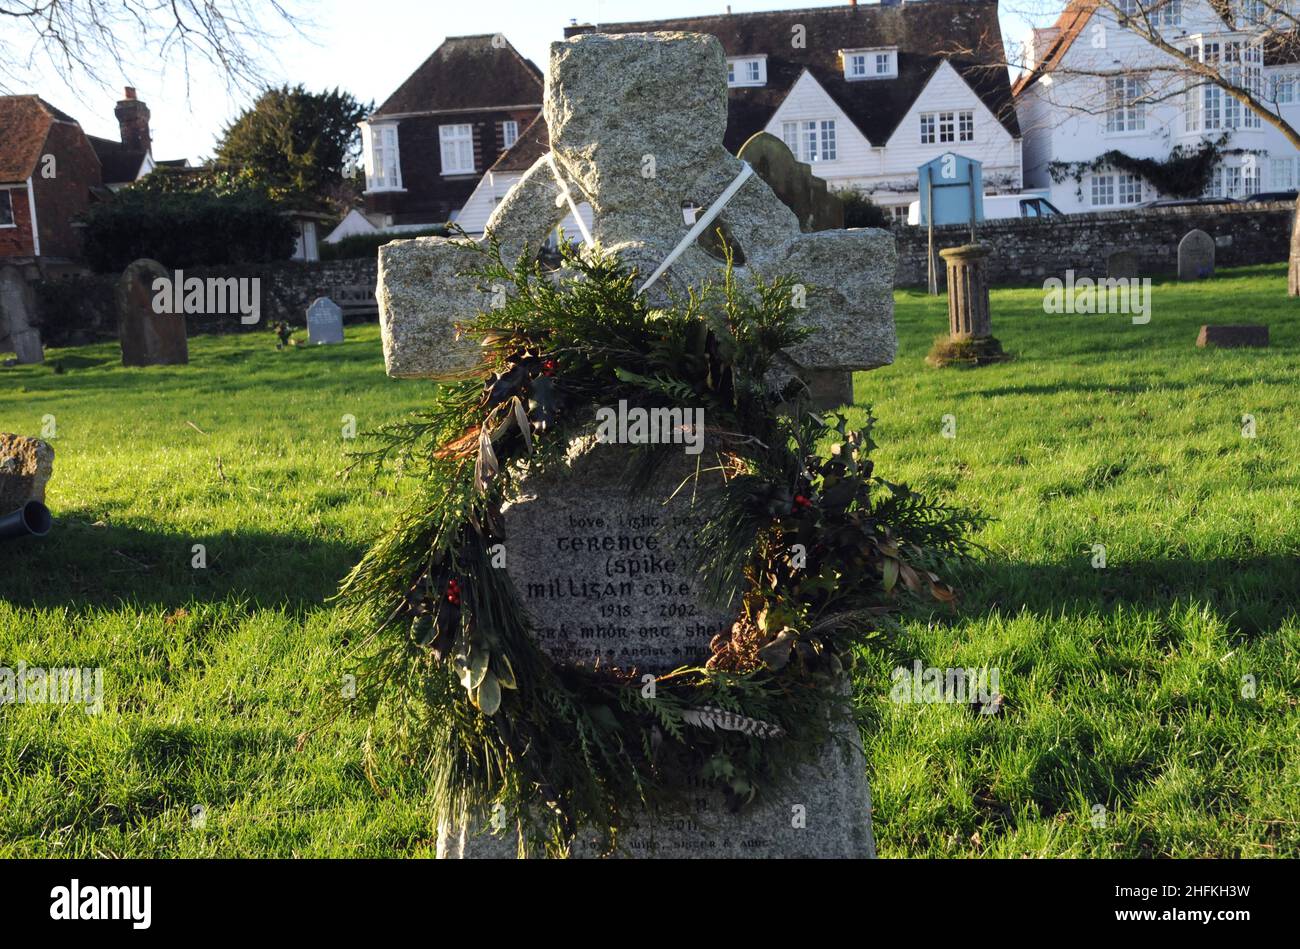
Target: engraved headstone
324, 322
1195, 256
636, 126
148, 337
17, 314
606, 577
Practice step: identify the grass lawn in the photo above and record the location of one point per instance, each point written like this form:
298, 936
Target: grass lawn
1128, 728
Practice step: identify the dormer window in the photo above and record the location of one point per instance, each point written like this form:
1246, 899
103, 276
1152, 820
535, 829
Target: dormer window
747, 71
870, 63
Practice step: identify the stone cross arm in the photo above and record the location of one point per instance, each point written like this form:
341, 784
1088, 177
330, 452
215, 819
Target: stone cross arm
636, 125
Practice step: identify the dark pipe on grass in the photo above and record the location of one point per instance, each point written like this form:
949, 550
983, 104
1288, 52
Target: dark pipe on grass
31, 520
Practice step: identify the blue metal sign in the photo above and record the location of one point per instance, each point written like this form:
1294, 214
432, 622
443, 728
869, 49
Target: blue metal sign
954, 184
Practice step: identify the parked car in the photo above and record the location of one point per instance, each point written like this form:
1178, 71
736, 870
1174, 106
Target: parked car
997, 206
1184, 202
1264, 196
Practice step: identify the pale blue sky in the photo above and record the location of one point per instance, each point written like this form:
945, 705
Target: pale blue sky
367, 48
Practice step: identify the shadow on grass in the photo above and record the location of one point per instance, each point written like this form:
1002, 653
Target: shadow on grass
1253, 595
81, 565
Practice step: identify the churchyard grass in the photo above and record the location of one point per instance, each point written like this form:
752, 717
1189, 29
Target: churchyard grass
1123, 730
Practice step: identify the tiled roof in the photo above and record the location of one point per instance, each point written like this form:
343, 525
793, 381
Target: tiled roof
965, 32
121, 164
465, 73
532, 144
24, 124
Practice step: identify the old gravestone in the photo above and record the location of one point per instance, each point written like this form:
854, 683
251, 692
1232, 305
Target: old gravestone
636, 124
1195, 256
25, 468
148, 337
1122, 264
324, 322
817, 209
607, 578
17, 313
1233, 336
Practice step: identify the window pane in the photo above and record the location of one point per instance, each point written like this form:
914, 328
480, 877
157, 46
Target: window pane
6, 207
828, 141
927, 128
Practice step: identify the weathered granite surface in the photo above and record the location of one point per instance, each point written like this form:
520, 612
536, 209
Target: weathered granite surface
26, 465
823, 813
636, 124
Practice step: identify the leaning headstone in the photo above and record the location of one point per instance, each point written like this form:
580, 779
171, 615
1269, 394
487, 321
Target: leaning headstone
1195, 256
1233, 336
636, 124
324, 322
27, 347
25, 468
793, 182
148, 337
17, 314
818, 209
1122, 264
566, 528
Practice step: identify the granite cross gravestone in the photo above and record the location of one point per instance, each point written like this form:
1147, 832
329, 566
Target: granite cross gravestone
17, 313
324, 322
1195, 256
636, 125
148, 337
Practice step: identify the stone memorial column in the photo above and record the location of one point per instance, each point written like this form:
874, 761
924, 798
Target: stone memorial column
970, 329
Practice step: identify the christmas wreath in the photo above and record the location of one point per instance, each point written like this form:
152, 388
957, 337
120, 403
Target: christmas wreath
804, 544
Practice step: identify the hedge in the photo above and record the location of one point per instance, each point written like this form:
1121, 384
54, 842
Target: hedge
187, 230
367, 245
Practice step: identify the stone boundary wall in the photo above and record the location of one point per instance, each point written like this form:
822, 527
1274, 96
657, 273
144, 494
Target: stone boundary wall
80, 309
1028, 250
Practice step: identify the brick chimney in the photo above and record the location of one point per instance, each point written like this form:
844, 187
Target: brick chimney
133, 120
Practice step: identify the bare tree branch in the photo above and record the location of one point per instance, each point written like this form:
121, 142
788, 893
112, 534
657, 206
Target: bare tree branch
85, 39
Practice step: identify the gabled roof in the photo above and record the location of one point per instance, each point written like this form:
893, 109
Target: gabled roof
466, 73
1068, 26
24, 124
966, 32
532, 144
121, 164
1279, 48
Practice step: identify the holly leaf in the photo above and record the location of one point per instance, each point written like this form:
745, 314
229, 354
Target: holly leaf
488, 695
